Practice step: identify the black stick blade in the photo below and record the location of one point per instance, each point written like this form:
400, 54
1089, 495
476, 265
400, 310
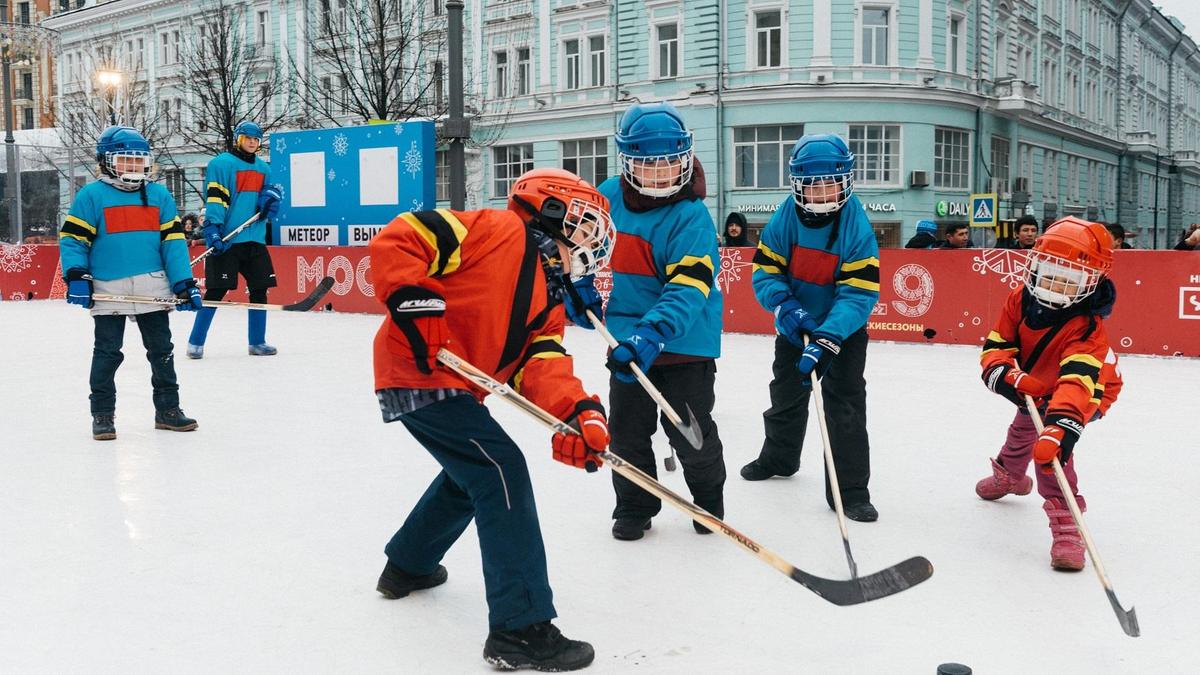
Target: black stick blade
881, 584
313, 298
1127, 619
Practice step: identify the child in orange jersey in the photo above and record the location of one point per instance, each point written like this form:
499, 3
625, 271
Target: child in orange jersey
1050, 343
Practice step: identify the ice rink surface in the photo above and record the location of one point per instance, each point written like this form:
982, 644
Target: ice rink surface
253, 544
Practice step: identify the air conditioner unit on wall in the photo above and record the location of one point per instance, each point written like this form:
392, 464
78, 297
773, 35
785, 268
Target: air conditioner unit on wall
1020, 184
918, 179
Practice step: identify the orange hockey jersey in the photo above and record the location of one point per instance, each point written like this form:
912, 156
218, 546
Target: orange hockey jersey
1073, 359
488, 268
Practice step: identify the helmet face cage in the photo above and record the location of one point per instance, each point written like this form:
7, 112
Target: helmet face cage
1056, 282
842, 182
657, 175
590, 235
140, 160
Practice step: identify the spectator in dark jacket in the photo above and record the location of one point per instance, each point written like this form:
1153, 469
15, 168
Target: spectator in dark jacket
1117, 231
1026, 228
1190, 241
191, 227
926, 236
958, 235
735, 230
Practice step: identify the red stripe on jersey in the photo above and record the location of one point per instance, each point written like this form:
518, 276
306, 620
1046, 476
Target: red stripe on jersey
249, 181
813, 266
133, 218
633, 255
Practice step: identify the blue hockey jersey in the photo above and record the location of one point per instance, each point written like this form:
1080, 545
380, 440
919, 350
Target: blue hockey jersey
233, 187
837, 284
112, 235
664, 273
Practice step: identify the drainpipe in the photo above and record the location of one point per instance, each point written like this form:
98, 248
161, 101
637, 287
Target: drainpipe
720, 165
1170, 133
1119, 122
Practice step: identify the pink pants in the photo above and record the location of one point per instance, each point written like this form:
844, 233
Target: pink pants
1017, 453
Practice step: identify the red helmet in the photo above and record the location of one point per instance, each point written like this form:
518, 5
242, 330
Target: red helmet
1068, 262
570, 210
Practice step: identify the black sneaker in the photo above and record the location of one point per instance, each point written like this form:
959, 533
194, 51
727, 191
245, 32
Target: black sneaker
630, 529
863, 512
396, 583
103, 428
756, 472
173, 420
540, 647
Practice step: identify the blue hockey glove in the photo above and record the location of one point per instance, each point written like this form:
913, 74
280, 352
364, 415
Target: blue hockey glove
817, 358
793, 322
212, 239
641, 348
187, 292
268, 201
79, 287
582, 296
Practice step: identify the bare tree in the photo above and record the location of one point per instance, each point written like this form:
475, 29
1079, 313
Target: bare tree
375, 60
229, 78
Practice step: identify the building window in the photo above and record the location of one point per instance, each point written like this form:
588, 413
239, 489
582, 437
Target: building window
523, 79
761, 154
598, 60
176, 185
667, 38
1050, 180
27, 118
999, 164
500, 86
875, 24
768, 38
956, 52
587, 159
509, 162
441, 175
887, 234
571, 63
260, 30
951, 159
877, 148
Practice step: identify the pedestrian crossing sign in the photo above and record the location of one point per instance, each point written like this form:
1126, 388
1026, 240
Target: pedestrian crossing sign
983, 210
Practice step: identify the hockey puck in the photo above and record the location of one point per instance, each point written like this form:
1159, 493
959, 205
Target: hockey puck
953, 669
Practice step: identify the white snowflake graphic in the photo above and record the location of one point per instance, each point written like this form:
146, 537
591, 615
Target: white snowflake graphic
1008, 263
340, 145
413, 160
418, 205
397, 128
331, 175
15, 257
280, 145
732, 266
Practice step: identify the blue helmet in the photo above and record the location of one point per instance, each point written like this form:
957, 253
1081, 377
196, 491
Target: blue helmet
654, 149
247, 129
927, 227
819, 159
131, 147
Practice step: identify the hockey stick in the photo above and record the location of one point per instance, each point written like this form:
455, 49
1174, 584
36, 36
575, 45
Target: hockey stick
208, 251
849, 592
1127, 618
831, 471
302, 306
690, 430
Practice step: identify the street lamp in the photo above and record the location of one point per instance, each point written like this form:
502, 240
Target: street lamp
110, 79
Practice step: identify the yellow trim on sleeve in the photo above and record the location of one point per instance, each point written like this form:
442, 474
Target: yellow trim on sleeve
859, 264
82, 223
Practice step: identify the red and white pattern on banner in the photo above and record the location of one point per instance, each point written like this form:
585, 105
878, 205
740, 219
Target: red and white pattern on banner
949, 297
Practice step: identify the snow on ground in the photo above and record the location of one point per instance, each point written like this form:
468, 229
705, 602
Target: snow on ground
253, 544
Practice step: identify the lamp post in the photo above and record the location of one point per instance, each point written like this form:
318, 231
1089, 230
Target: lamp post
110, 79
456, 129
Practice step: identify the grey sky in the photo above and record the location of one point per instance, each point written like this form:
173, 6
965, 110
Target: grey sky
1187, 11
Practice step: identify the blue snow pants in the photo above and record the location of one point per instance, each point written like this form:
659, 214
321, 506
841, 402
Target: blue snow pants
484, 476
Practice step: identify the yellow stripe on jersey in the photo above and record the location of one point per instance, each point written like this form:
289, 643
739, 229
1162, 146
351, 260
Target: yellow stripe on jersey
692, 270
444, 233
996, 342
862, 274
768, 261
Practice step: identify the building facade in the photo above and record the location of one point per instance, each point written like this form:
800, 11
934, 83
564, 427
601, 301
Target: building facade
1086, 107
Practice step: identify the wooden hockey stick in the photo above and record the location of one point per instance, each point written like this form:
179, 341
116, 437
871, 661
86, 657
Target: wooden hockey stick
839, 592
831, 471
690, 429
208, 251
1127, 618
302, 306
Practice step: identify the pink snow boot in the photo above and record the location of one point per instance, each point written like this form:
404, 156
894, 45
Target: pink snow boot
1001, 483
1067, 551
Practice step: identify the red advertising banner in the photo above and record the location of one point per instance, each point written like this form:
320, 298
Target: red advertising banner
943, 296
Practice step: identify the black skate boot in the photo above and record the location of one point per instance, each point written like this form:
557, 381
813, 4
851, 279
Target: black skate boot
396, 583
630, 529
173, 420
103, 428
755, 471
540, 647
